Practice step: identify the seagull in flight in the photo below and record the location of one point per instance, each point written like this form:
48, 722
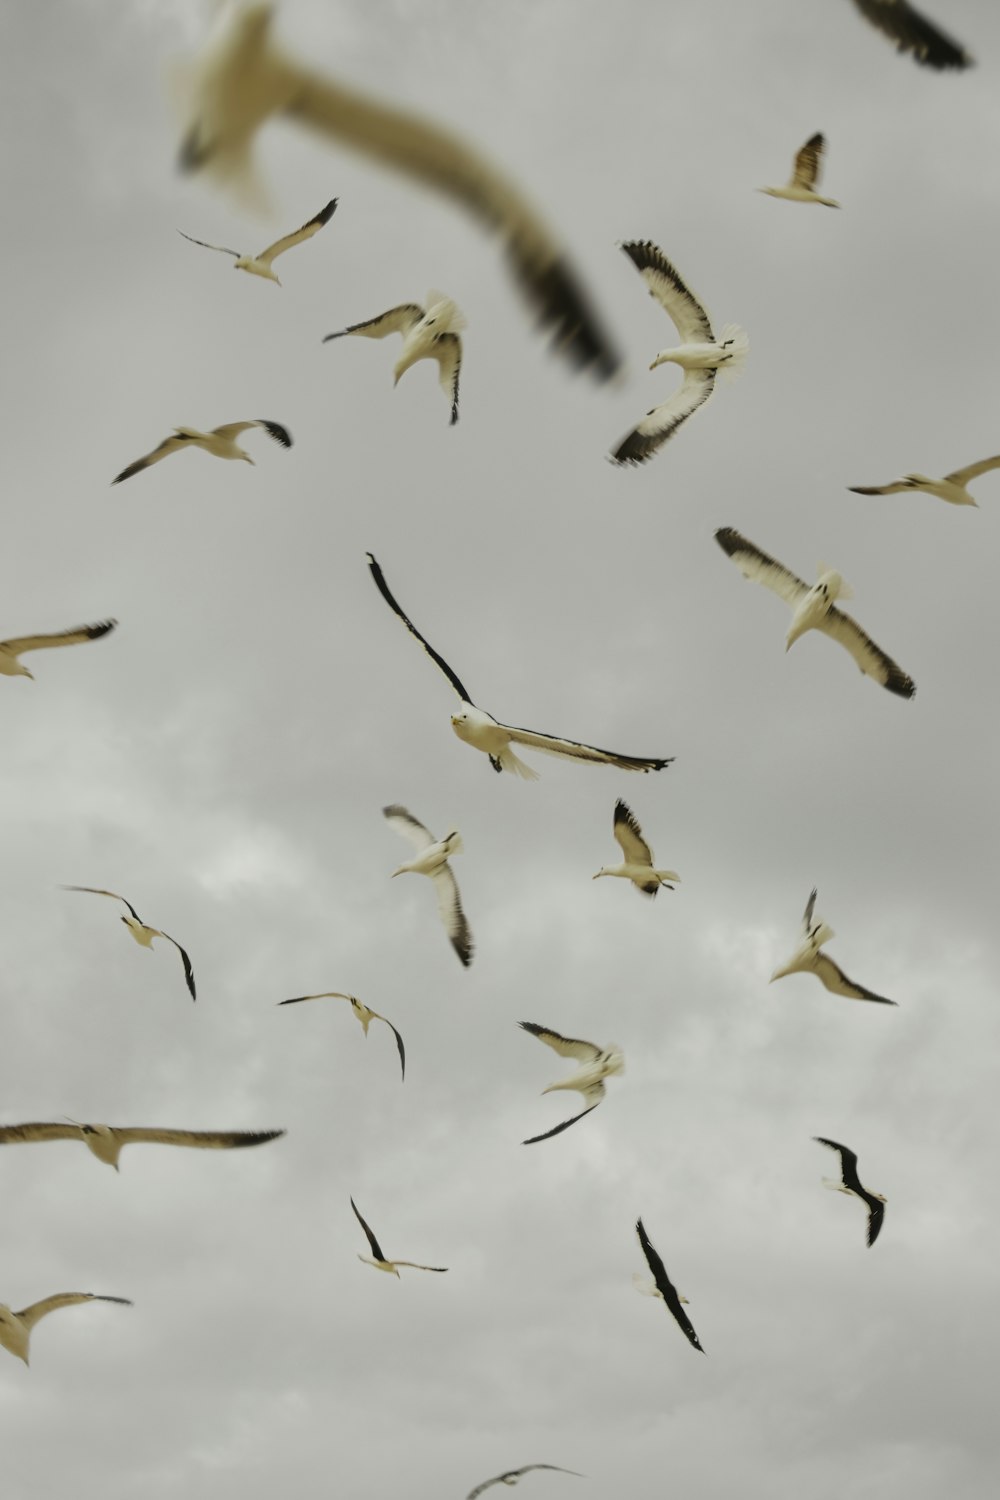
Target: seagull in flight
12, 649
106, 1141
912, 32
700, 354
242, 78
380, 1262
637, 865
513, 1475
483, 732
953, 487
599, 1063
851, 1183
220, 442
432, 860
663, 1287
364, 1015
15, 1327
814, 609
801, 186
260, 265
137, 927
809, 959
429, 332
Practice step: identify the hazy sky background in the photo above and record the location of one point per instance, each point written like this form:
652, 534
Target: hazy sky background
222, 759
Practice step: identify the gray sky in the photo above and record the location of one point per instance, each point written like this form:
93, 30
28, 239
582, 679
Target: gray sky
223, 757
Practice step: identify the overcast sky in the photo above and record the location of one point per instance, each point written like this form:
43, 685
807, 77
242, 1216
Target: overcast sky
223, 756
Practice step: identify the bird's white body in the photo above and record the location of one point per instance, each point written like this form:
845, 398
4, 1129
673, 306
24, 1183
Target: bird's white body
637, 865
803, 960
480, 730
640, 875
255, 267
797, 192
812, 610
730, 351
143, 935
589, 1081
801, 186
441, 315
219, 444
15, 1327
430, 860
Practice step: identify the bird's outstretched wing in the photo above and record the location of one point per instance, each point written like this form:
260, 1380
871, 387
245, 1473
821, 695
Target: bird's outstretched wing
29, 1316
72, 637
448, 353
912, 32
808, 161
452, 915
206, 1140
897, 487
629, 836
397, 320
92, 890
275, 430
169, 445
415, 1266
38, 1130
376, 1248
511, 1476
558, 1129
754, 563
566, 1046
665, 284
206, 246
383, 589
188, 971
410, 827
665, 1287
552, 744
872, 660
848, 1160
972, 471
837, 982
876, 1213
305, 233
807, 915
661, 422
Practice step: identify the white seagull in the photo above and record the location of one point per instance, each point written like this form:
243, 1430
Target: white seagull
429, 332
260, 265
801, 186
814, 609
11, 650
809, 959
364, 1015
220, 442
380, 1262
513, 1475
851, 1183
953, 487
912, 32
242, 78
137, 927
106, 1141
15, 1327
600, 1063
663, 1287
432, 860
637, 865
483, 732
700, 354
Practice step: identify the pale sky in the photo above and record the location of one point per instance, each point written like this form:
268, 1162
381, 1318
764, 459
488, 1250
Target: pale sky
223, 757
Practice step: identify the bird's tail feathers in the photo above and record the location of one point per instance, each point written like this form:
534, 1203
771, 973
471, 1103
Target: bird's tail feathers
739, 342
645, 1284
844, 590
450, 317
513, 763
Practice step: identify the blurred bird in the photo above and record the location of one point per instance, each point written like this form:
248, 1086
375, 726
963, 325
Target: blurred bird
380, 1262
700, 354
241, 79
808, 959
513, 1475
220, 442
429, 332
851, 1184
364, 1015
137, 927
953, 487
12, 649
480, 730
801, 186
663, 1287
638, 863
15, 1327
912, 32
814, 609
106, 1141
432, 860
599, 1063
260, 265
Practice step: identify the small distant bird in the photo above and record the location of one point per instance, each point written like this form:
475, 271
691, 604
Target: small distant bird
11, 650
638, 863
364, 1015
851, 1183
513, 1475
483, 732
429, 332
801, 186
106, 1141
432, 860
700, 354
137, 927
260, 265
953, 487
380, 1262
242, 78
600, 1063
663, 1287
15, 1327
913, 33
220, 442
808, 959
814, 609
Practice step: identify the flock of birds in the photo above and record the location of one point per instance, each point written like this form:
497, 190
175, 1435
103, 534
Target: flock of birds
243, 78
